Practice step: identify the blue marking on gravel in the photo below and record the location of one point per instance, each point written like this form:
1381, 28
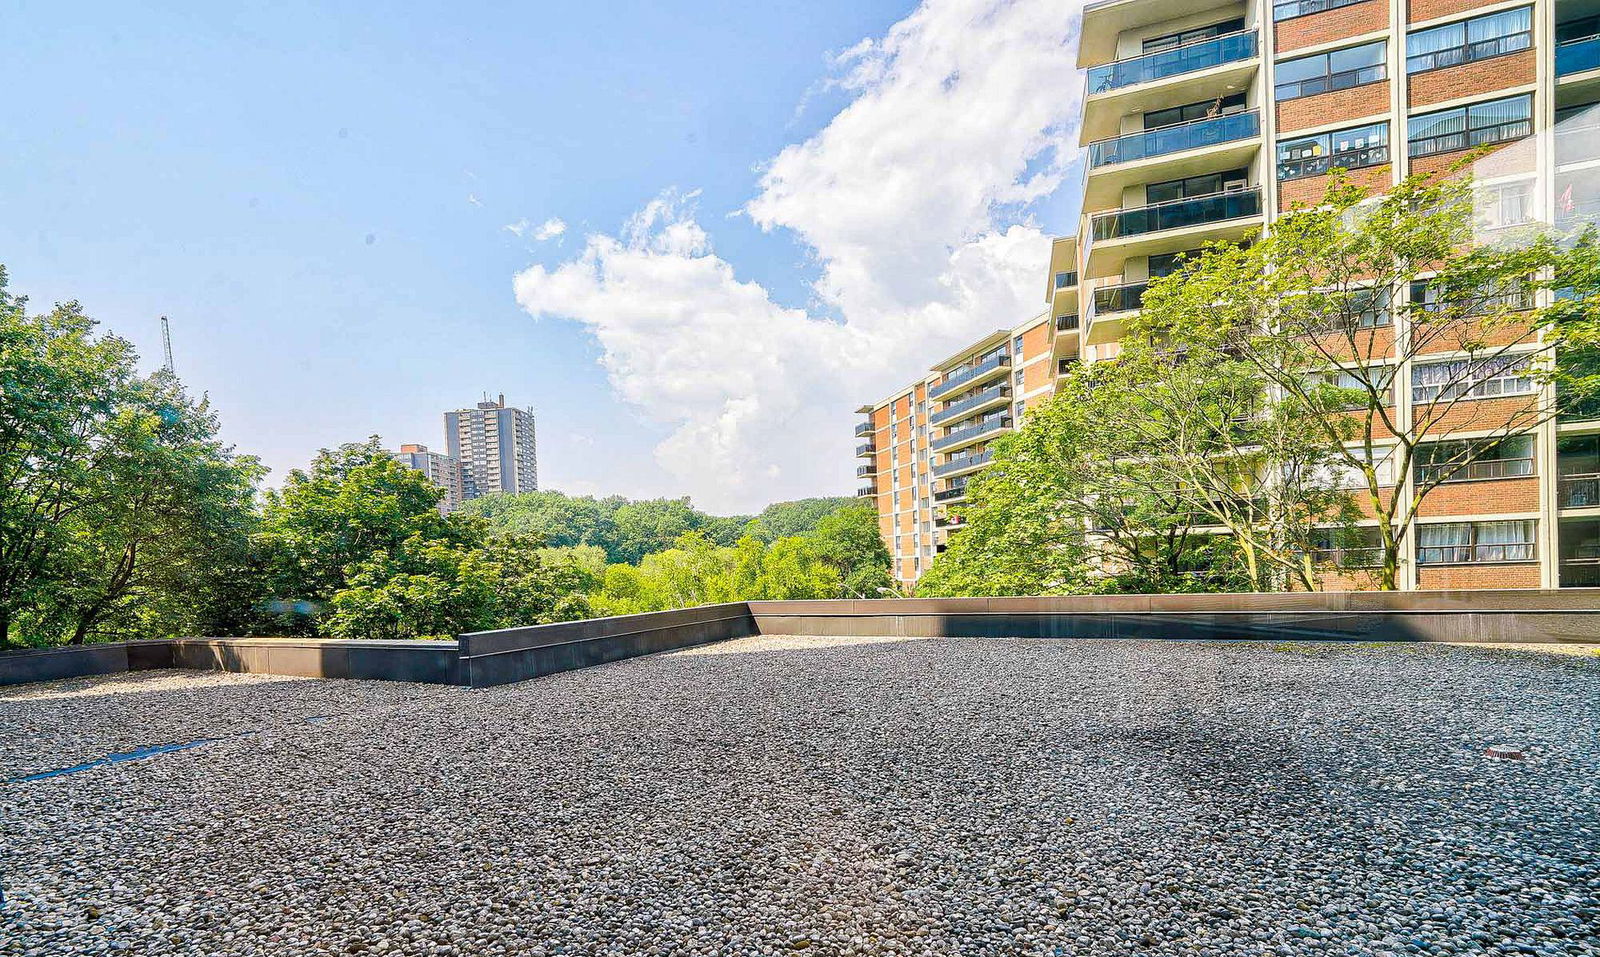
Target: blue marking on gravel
142, 753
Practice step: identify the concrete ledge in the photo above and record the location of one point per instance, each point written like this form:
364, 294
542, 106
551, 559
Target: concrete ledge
486, 658
77, 661
491, 658
429, 662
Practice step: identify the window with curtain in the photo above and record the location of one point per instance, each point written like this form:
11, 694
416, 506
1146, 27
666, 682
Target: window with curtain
1471, 379
1475, 461
1479, 38
1335, 70
1454, 543
1189, 112
1354, 148
1480, 124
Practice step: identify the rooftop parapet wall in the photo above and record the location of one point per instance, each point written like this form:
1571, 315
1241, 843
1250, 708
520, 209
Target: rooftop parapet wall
484, 659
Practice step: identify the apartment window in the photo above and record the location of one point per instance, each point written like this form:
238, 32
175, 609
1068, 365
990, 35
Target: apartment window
1169, 40
1016, 410
1302, 8
1065, 279
1016, 346
1457, 543
1206, 184
1347, 547
1471, 379
1510, 457
1360, 384
1510, 204
1344, 475
1167, 263
1364, 308
1427, 297
1189, 112
1465, 41
1354, 148
1334, 70
1496, 121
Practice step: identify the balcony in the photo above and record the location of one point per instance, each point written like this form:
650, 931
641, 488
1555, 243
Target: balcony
1229, 141
1173, 226
1578, 56
864, 428
1067, 323
862, 471
1111, 304
994, 395
971, 375
951, 522
1203, 70
1580, 490
988, 425
866, 491
1578, 139
957, 492
866, 448
961, 464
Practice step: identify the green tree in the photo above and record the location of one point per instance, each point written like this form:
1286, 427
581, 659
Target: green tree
61, 383
433, 588
169, 501
1072, 504
651, 526
356, 507
847, 539
782, 519
1327, 307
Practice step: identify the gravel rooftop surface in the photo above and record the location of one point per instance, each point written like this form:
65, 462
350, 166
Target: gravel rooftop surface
823, 796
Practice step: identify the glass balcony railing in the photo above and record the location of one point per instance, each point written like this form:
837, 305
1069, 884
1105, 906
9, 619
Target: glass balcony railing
985, 425
862, 471
1124, 298
1580, 490
956, 410
1178, 213
960, 377
1578, 139
1176, 138
1578, 56
956, 492
863, 428
962, 462
1189, 58
866, 448
1067, 323
866, 491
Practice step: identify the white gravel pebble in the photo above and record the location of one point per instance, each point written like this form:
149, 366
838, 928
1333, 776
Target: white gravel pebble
823, 796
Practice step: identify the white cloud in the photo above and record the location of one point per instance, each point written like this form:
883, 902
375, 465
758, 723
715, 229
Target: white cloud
913, 201
549, 229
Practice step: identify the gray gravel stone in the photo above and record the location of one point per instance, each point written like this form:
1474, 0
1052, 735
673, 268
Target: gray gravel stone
823, 796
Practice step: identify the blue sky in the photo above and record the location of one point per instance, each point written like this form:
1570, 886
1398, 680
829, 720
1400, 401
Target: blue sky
338, 209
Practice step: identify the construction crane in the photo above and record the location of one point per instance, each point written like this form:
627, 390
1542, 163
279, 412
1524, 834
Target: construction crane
166, 345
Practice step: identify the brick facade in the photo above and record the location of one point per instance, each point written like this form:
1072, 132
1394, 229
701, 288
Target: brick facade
1490, 496
1420, 11
1502, 160
1480, 77
1498, 575
1309, 190
1331, 25
1353, 104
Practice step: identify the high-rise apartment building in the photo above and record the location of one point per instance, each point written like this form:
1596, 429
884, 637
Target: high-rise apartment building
920, 445
442, 470
496, 447
1207, 121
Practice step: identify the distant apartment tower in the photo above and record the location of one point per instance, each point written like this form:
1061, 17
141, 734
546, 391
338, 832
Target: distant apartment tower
495, 445
442, 470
